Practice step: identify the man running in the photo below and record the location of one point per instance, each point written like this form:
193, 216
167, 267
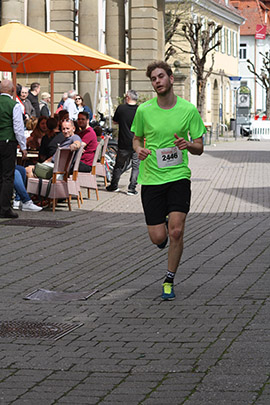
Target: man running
165, 124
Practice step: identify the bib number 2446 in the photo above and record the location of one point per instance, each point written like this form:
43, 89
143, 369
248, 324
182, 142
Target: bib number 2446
169, 157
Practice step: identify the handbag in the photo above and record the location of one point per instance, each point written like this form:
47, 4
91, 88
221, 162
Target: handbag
43, 170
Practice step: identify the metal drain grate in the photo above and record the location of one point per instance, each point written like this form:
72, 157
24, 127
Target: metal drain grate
28, 329
47, 295
36, 223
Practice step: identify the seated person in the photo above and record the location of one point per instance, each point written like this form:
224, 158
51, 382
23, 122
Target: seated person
59, 137
89, 142
34, 140
48, 146
70, 140
22, 200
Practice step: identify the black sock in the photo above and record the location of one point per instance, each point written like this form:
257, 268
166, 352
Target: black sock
170, 276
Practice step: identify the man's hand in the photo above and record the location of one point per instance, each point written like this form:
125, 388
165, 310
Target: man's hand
75, 145
143, 153
139, 149
24, 154
181, 143
195, 147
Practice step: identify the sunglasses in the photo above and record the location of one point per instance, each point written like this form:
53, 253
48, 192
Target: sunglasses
78, 98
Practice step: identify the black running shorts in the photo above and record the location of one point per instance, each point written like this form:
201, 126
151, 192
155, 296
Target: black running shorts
158, 201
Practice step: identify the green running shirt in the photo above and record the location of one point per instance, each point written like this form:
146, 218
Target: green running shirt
158, 127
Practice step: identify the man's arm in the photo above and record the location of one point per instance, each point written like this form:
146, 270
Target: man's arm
18, 128
75, 145
139, 149
195, 147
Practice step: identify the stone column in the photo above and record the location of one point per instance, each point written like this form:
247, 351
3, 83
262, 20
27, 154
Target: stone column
62, 21
179, 80
36, 14
35, 19
12, 10
145, 42
115, 43
88, 35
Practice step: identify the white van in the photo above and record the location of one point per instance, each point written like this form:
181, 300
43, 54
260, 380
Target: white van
260, 130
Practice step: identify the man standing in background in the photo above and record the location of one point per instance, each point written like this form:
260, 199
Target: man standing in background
33, 97
11, 132
123, 116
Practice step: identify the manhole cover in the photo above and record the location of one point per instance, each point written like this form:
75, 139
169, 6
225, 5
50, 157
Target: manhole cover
36, 223
36, 329
47, 295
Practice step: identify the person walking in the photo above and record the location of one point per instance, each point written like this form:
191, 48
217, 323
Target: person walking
123, 116
11, 132
165, 123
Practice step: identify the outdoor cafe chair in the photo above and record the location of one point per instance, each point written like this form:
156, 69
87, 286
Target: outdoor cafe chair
89, 180
57, 187
74, 188
100, 168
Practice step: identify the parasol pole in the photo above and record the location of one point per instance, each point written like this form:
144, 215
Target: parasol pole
52, 89
14, 79
95, 96
109, 96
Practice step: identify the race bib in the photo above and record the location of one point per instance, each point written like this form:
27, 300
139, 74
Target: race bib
169, 157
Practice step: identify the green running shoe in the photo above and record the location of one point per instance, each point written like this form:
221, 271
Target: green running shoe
167, 292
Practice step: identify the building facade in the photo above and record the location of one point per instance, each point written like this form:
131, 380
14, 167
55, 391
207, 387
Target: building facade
129, 30
254, 41
220, 98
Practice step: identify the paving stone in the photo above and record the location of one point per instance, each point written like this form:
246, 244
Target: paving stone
209, 346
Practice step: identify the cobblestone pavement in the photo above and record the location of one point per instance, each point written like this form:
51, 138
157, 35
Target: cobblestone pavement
211, 345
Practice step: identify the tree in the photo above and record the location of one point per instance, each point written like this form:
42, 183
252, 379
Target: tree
202, 42
263, 77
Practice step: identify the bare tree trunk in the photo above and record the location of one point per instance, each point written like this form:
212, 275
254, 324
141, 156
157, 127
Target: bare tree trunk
201, 96
268, 102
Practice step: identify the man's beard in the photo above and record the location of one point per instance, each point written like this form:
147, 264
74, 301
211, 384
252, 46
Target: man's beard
164, 92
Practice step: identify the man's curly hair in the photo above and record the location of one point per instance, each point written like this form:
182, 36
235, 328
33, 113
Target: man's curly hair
158, 64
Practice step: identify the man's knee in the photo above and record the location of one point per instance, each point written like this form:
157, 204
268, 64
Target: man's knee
176, 233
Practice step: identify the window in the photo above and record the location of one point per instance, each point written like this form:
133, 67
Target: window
235, 44
243, 51
217, 39
208, 99
229, 42
223, 40
227, 99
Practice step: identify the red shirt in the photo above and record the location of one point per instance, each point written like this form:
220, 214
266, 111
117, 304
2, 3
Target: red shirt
89, 137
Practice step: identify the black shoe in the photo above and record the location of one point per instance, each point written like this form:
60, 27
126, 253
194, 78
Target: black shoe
132, 192
8, 214
112, 188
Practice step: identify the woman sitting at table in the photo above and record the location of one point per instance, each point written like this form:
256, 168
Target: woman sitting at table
34, 140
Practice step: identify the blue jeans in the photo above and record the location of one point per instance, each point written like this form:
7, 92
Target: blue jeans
19, 184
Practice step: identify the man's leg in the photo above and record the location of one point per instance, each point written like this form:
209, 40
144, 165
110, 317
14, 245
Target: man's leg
8, 157
121, 158
134, 171
21, 193
176, 226
176, 235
